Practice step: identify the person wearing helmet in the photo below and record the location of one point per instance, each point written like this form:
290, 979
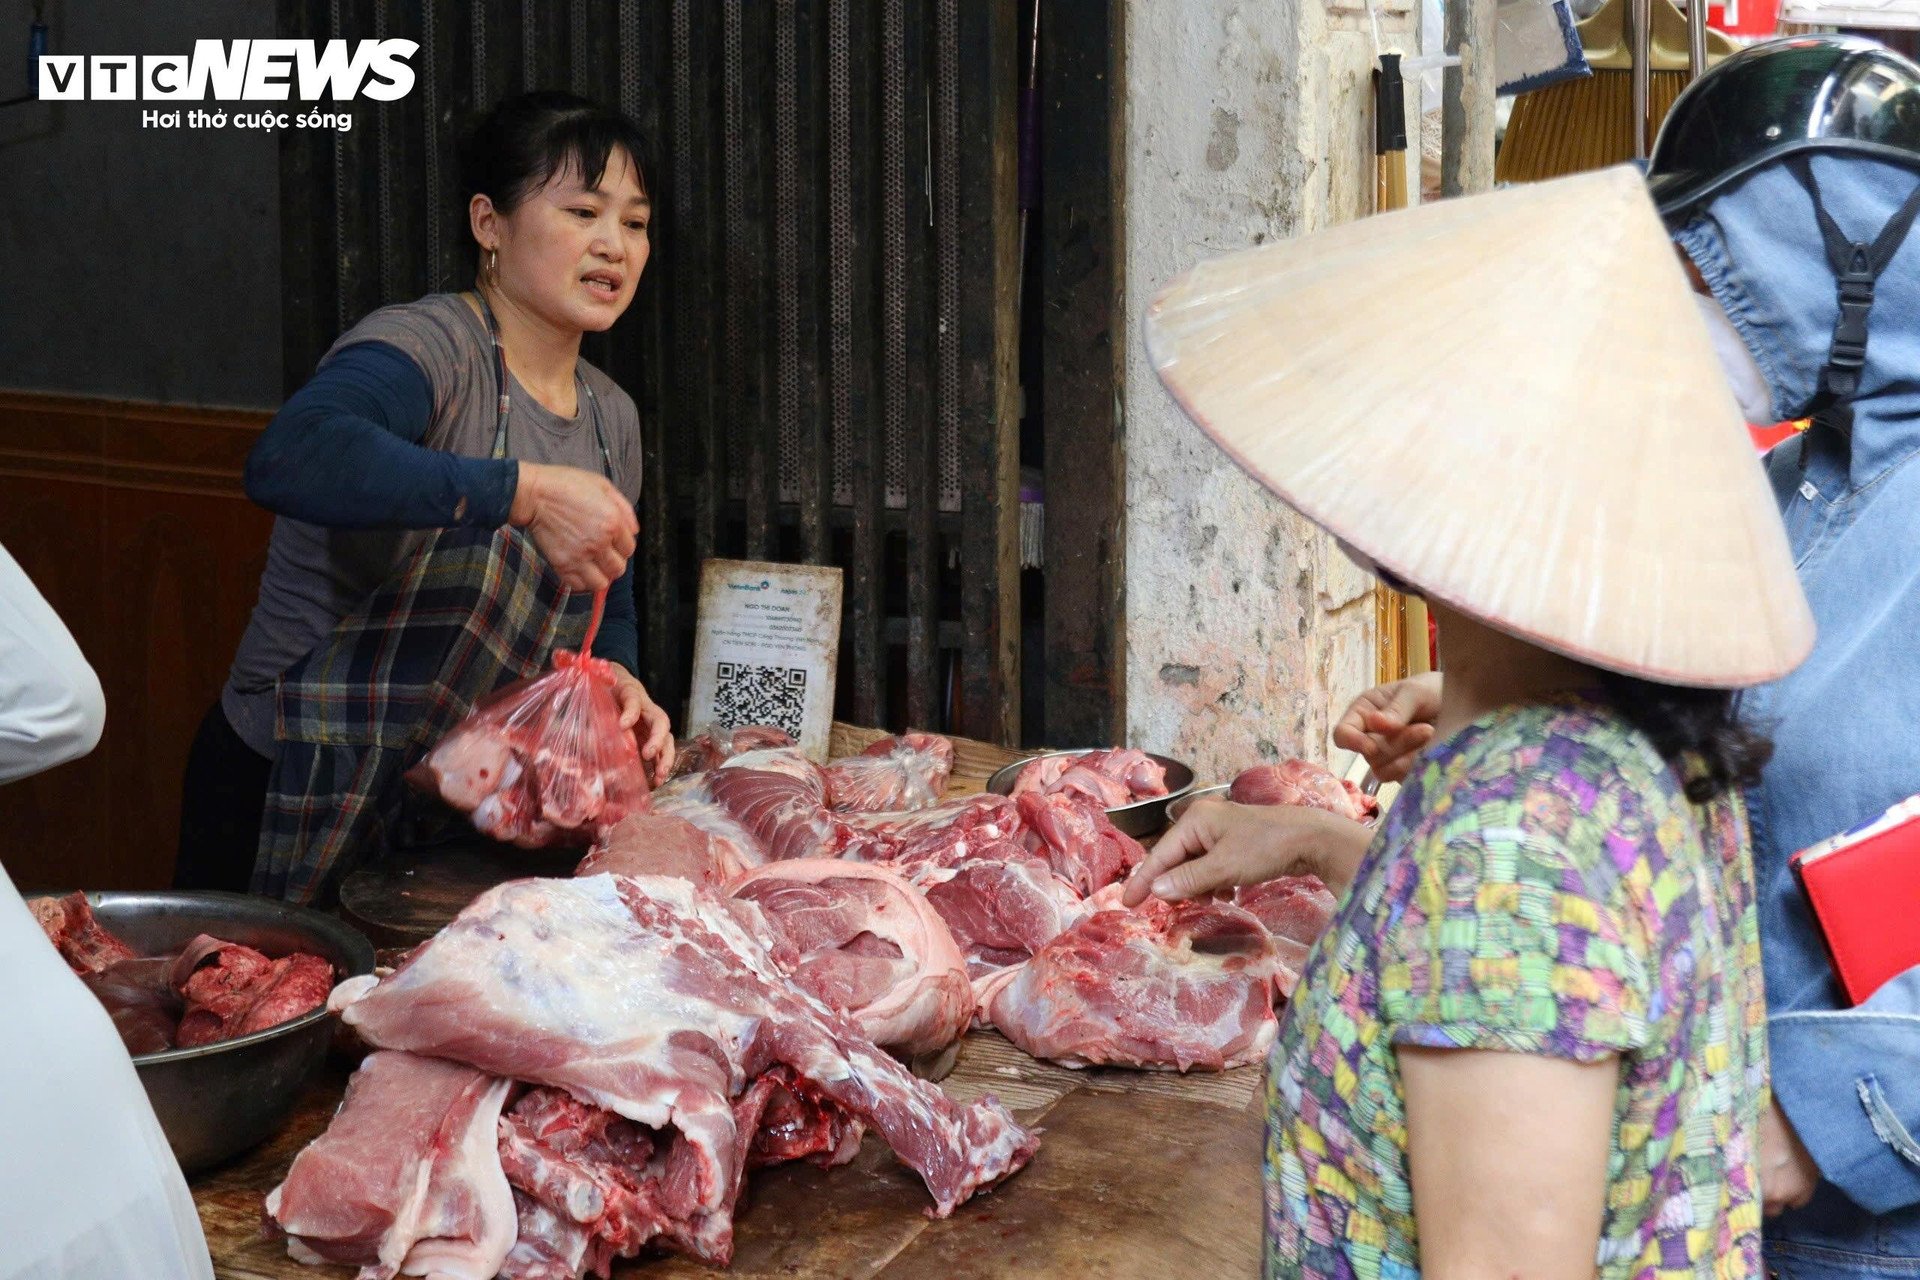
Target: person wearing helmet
1790, 175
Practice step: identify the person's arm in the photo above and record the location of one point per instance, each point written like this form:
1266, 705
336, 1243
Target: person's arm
51, 707
1847, 1082
1390, 724
1508, 1155
1219, 845
345, 452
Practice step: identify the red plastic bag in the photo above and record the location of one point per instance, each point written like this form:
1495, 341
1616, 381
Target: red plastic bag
543, 761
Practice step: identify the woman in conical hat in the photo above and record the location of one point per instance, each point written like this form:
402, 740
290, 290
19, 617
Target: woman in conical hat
1748, 158
1533, 1042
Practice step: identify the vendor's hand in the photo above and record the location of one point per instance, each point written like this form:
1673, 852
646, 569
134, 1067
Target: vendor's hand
1788, 1174
1217, 846
637, 707
1390, 724
584, 526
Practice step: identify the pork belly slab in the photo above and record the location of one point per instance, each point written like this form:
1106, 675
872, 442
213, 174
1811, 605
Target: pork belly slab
407, 1178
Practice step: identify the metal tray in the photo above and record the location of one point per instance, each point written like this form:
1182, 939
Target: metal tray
217, 1100
1140, 819
1178, 808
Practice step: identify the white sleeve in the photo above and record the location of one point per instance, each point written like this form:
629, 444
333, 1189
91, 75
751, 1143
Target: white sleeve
51, 706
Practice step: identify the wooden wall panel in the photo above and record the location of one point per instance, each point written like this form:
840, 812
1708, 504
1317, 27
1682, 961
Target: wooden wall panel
1083, 343
132, 521
821, 349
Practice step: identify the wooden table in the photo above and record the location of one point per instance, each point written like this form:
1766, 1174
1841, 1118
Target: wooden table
1139, 1174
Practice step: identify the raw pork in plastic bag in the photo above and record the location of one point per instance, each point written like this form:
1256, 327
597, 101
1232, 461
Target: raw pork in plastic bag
893, 775
717, 744
542, 761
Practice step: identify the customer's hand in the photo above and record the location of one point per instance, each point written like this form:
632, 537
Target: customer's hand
1217, 846
1788, 1174
637, 707
1390, 724
584, 526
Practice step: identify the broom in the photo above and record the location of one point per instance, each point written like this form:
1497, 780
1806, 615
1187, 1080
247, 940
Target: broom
1584, 124
1400, 621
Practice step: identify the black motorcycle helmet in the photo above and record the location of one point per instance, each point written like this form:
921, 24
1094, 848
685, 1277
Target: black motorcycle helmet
1780, 103
1779, 99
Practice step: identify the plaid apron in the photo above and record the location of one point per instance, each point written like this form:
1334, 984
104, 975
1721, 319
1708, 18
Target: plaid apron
470, 611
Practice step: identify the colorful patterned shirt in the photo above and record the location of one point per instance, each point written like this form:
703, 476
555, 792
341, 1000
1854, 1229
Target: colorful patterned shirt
1541, 886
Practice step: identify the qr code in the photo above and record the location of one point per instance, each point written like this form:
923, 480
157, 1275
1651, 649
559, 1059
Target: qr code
746, 694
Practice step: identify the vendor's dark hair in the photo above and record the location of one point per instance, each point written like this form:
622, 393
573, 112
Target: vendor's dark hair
1700, 733
515, 149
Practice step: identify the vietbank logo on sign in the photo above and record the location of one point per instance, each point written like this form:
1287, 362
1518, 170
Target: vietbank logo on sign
236, 71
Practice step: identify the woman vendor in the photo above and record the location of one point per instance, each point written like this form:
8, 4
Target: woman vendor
452, 488
1533, 1041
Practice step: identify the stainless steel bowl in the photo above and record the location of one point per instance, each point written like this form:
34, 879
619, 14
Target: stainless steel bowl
216, 1100
1178, 808
1140, 819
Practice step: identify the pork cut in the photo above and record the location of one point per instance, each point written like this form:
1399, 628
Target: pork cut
1078, 840
232, 990
138, 995
1110, 778
1296, 910
690, 799
1001, 907
885, 837
1305, 784
870, 945
716, 744
659, 1002
771, 803
1162, 986
590, 1186
407, 1176
897, 774
667, 844
82, 941
786, 812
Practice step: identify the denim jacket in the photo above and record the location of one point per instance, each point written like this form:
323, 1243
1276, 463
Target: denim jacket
1846, 725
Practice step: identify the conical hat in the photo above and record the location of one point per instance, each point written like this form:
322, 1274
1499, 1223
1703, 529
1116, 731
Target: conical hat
1510, 401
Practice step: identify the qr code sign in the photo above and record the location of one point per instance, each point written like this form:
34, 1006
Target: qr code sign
747, 694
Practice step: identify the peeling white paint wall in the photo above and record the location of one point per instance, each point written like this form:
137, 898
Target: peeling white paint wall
1247, 631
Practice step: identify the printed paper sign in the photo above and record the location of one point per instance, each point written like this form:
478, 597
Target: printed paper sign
767, 649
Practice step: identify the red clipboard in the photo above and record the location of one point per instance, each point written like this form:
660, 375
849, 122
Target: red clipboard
1864, 888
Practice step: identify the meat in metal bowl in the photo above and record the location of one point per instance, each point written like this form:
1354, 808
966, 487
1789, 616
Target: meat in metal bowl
217, 1100
1140, 819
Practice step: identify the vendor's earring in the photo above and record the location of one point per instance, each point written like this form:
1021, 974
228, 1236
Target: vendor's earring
493, 264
